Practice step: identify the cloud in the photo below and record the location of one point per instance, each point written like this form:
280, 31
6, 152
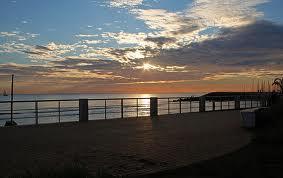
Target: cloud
57, 79
225, 13
255, 46
192, 24
138, 39
86, 35
44, 48
50, 52
160, 41
18, 35
262, 73
94, 64
125, 3
124, 55
14, 47
8, 34
165, 21
92, 41
47, 72
170, 29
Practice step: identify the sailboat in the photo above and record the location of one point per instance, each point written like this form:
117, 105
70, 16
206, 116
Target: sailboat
5, 93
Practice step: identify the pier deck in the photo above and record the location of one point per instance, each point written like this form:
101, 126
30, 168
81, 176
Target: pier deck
124, 146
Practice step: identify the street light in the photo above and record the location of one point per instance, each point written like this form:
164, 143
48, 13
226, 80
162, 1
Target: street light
12, 122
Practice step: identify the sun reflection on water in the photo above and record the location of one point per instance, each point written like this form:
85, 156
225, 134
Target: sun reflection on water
145, 102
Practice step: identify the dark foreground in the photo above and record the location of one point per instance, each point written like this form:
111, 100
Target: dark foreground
120, 147
262, 158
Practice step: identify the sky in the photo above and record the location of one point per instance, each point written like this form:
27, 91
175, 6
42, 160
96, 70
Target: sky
140, 46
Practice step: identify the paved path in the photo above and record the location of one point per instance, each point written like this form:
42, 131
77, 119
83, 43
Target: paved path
124, 146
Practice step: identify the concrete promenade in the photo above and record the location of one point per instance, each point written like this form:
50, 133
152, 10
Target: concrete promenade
124, 146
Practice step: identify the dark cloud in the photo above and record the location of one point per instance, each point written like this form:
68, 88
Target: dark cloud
23, 70
261, 34
256, 45
43, 48
160, 41
34, 52
38, 50
87, 64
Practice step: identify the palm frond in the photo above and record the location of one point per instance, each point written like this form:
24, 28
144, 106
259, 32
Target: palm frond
276, 83
278, 80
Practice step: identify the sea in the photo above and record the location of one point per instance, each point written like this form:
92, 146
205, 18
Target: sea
27, 112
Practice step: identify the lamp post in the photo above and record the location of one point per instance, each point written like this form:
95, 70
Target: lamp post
12, 98
12, 122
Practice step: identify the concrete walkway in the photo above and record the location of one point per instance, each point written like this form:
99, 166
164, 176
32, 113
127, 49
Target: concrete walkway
124, 146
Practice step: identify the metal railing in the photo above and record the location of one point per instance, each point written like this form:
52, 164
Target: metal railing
58, 111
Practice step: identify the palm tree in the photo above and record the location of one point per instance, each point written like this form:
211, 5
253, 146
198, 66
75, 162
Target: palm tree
279, 82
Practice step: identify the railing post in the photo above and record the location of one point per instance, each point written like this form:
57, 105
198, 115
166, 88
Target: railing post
168, 105
202, 104
221, 105
262, 102
36, 112
83, 109
180, 106
237, 103
213, 105
190, 105
59, 112
122, 108
137, 107
105, 109
12, 100
153, 106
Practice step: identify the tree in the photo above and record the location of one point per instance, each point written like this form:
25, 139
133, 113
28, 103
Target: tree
278, 82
